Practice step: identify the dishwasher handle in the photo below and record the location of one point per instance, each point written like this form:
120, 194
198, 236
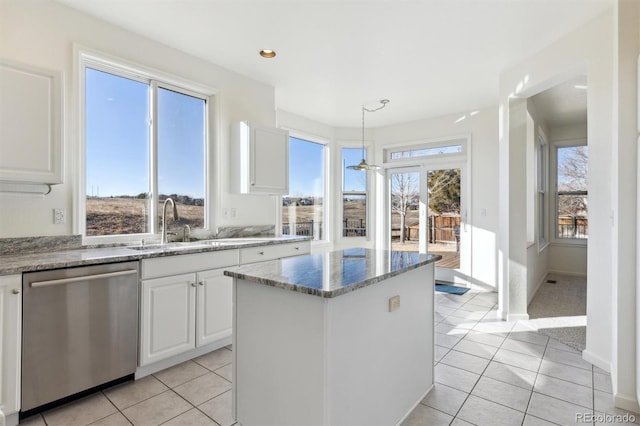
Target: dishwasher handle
62, 281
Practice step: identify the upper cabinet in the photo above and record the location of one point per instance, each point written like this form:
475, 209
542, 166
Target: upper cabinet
259, 159
31, 110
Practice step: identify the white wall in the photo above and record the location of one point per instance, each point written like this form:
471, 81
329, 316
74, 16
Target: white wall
593, 49
483, 214
537, 256
43, 33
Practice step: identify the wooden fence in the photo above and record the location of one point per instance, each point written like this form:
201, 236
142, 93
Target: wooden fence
440, 229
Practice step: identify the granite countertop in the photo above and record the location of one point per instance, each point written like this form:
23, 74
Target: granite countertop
86, 255
334, 273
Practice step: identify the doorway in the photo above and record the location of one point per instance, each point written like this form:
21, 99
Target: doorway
427, 214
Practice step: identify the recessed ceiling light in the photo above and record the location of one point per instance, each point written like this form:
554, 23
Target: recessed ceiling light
268, 53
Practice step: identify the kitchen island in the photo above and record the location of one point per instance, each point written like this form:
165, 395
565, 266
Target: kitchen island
338, 338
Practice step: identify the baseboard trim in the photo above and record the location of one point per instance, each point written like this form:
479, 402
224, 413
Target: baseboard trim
625, 402
178, 359
544, 278
517, 317
572, 274
415, 405
596, 360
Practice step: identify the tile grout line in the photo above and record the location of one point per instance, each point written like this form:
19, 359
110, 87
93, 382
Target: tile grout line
536, 380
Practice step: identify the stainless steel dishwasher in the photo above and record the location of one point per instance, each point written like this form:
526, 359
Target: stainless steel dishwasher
80, 330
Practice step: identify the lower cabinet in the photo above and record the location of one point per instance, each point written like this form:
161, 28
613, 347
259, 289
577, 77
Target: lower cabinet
182, 312
214, 310
186, 301
10, 343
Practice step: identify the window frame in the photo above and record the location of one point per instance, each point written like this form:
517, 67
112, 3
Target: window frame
542, 190
367, 194
327, 204
87, 58
454, 140
570, 143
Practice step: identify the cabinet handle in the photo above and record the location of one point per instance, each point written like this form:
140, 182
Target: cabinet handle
253, 184
261, 253
15, 291
201, 282
193, 284
297, 248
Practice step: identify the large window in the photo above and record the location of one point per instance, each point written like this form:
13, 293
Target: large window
542, 189
303, 208
354, 195
145, 141
571, 197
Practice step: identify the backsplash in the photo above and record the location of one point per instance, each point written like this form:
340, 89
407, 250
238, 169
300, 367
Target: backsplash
246, 231
24, 245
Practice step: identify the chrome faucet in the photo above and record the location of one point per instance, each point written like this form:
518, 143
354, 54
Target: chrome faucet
186, 237
163, 237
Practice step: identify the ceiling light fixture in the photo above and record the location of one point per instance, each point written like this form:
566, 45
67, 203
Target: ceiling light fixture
268, 53
363, 164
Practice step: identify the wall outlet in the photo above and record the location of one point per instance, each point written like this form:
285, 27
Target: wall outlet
394, 303
59, 216
225, 213
233, 212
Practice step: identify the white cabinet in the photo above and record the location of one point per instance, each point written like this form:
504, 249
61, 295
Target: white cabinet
272, 252
186, 310
259, 159
168, 317
215, 306
10, 338
30, 124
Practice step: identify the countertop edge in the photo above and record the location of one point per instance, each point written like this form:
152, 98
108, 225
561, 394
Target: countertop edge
31, 262
328, 294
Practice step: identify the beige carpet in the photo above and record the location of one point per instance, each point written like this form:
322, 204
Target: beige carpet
557, 308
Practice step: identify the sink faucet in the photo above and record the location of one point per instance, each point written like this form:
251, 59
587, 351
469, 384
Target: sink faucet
187, 234
163, 237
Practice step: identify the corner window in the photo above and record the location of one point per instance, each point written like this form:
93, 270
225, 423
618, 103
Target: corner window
303, 208
571, 196
145, 141
354, 195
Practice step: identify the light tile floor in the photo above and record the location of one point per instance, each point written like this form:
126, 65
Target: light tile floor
487, 372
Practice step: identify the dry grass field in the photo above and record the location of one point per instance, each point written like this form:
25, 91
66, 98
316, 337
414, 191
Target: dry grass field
112, 216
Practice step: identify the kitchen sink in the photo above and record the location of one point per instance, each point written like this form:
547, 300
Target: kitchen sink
175, 246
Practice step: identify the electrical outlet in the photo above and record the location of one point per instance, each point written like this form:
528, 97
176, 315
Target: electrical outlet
225, 213
59, 216
394, 303
233, 212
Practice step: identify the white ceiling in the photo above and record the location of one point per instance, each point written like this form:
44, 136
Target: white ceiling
564, 104
429, 57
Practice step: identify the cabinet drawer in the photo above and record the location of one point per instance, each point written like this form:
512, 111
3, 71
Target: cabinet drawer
185, 263
263, 253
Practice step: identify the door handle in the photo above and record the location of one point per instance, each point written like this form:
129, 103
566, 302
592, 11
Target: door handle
62, 281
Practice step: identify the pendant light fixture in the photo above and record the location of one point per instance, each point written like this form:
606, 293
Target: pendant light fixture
363, 164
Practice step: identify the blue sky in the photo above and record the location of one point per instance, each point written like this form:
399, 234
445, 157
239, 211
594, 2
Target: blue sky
117, 132
117, 148
306, 164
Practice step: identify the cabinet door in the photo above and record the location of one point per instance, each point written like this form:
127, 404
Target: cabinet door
269, 152
168, 315
30, 124
215, 301
10, 342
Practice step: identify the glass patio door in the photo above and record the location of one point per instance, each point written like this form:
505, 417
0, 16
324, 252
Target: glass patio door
427, 212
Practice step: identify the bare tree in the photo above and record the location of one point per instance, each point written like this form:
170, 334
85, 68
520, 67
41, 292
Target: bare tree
572, 181
404, 193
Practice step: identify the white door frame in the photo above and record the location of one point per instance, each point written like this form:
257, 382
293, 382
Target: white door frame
461, 275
